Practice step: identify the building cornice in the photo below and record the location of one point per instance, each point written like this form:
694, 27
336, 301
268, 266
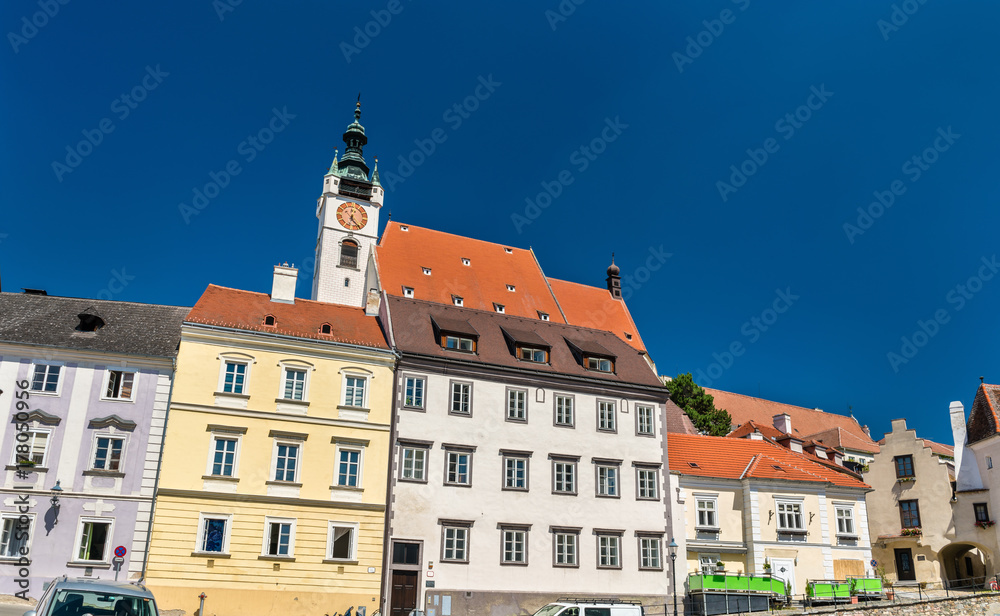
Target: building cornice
271, 416
56, 353
269, 500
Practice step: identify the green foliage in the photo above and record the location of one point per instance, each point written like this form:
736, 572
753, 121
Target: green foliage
699, 406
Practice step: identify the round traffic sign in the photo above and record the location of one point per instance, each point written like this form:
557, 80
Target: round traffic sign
120, 551
874, 563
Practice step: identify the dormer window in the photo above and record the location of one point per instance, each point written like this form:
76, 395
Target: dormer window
458, 343
628, 336
455, 334
543, 315
510, 288
426, 270
527, 345
269, 320
600, 364
325, 329
539, 356
407, 291
466, 261
403, 228
509, 251
498, 307
456, 300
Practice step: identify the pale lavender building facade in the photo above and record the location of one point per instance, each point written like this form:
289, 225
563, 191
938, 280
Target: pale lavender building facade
85, 391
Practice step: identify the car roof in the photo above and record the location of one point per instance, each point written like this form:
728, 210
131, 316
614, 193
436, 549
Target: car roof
102, 586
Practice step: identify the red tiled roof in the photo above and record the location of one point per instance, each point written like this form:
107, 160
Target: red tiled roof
749, 427
806, 423
225, 307
983, 420
728, 458
403, 255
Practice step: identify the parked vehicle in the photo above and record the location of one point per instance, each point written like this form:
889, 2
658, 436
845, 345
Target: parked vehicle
570, 606
94, 597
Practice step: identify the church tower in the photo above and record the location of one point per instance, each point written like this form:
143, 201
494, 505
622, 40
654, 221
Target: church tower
348, 223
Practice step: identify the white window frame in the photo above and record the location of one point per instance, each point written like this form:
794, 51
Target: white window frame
234, 358
425, 454
601, 424
653, 481
447, 467
574, 544
572, 410
849, 509
789, 515
574, 475
200, 539
701, 500
641, 410
514, 531
332, 527
508, 459
268, 521
107, 381
343, 448
79, 537
113, 436
14, 530
33, 430
366, 377
59, 380
517, 398
290, 376
650, 547
708, 562
462, 530
451, 399
408, 292
423, 391
274, 460
609, 551
609, 480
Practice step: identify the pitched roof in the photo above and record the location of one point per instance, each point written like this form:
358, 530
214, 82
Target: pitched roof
751, 426
983, 420
806, 423
232, 308
129, 328
728, 458
413, 332
403, 256
937, 449
678, 421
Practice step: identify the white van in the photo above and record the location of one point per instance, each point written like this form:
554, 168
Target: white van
591, 607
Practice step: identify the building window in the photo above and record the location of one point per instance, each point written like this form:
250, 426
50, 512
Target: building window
224, 456
498, 307
517, 405
461, 398
564, 411
845, 520
644, 420
234, 379
286, 461
649, 553
538, 356
349, 254
455, 543
413, 466
426, 270
458, 301
708, 562
348, 467
413, 396
108, 453
279, 536
982, 512
515, 471
33, 449
343, 542
269, 320
45, 378
606, 416
600, 364
564, 477
707, 512
93, 539
909, 514
607, 480
989, 462
15, 534
295, 384
354, 391
609, 551
407, 291
458, 343
904, 466
326, 328
514, 545
466, 261
565, 547
510, 287
120, 385
458, 469
789, 516
213, 533
543, 315
647, 483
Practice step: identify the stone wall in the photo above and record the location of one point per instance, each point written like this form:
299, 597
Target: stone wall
982, 605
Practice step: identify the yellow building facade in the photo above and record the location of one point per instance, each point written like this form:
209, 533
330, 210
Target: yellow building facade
272, 487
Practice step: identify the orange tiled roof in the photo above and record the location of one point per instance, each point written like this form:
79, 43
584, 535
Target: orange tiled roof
728, 458
806, 423
749, 427
225, 307
403, 255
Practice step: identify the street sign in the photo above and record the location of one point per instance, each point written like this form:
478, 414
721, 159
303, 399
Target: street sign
120, 551
117, 560
874, 563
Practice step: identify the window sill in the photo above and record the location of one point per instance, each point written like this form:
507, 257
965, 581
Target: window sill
564, 493
457, 485
792, 531
229, 394
345, 407
335, 561
102, 473
713, 529
28, 469
291, 401
612, 567
348, 488
420, 409
290, 484
117, 400
348, 267
503, 564
608, 430
48, 394
282, 559
650, 568
607, 496
847, 536
211, 554
564, 425
411, 480
83, 564
517, 420
565, 566
455, 562
512, 489
220, 478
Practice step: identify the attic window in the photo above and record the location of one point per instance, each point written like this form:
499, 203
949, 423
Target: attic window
498, 307
510, 287
466, 261
777, 468
269, 320
458, 343
427, 271
693, 465
628, 336
407, 291
509, 251
539, 356
456, 300
325, 329
600, 364
403, 228
543, 315
89, 322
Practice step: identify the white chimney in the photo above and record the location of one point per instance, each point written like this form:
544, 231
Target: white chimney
966, 468
783, 422
283, 288
756, 435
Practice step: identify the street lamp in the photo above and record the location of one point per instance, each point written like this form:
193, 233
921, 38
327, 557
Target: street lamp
672, 546
56, 491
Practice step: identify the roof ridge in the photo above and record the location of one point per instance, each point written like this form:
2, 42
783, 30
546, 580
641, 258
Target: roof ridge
92, 299
464, 237
751, 465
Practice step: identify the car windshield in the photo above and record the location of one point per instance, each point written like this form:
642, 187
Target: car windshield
80, 602
549, 610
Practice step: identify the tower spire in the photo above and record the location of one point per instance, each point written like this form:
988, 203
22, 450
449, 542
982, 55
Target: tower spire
353, 164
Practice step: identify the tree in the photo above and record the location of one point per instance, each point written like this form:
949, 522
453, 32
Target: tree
699, 406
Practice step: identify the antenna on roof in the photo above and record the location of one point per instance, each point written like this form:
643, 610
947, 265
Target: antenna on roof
981, 379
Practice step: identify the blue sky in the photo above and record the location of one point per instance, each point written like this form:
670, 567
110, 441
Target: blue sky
746, 137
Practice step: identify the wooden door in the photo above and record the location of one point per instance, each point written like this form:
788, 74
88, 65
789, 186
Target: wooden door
404, 592
904, 565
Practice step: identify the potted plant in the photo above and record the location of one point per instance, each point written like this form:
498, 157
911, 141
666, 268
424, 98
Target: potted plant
911, 532
985, 523
767, 566
720, 566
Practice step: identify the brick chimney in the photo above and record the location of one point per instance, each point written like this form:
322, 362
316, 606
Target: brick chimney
283, 287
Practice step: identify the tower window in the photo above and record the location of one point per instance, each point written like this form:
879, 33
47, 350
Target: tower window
457, 300
349, 254
269, 320
466, 261
347, 282
407, 291
498, 307
427, 271
325, 329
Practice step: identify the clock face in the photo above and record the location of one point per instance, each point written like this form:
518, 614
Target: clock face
352, 216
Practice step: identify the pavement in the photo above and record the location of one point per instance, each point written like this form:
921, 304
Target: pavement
7, 609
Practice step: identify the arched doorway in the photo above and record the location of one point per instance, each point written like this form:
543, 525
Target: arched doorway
965, 565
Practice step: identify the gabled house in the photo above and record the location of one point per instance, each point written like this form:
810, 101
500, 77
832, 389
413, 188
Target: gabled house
752, 503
